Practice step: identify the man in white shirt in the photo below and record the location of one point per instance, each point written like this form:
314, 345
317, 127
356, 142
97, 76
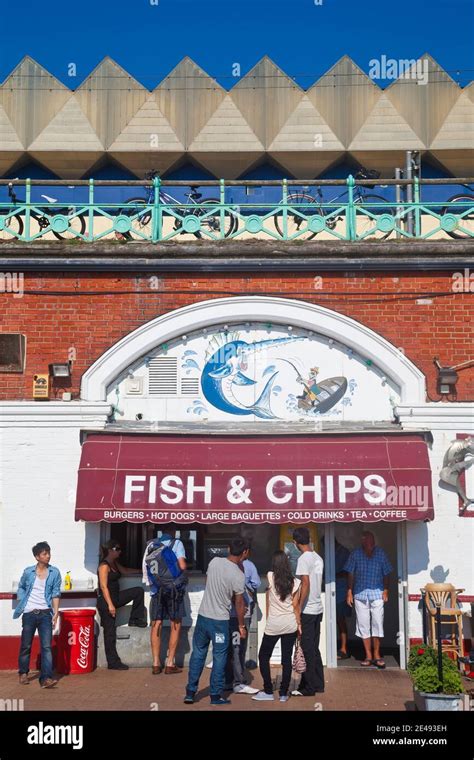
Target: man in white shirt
310, 570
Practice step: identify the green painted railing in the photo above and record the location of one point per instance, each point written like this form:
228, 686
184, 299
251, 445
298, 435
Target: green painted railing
355, 213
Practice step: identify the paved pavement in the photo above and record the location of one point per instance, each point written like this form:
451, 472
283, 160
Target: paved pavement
138, 689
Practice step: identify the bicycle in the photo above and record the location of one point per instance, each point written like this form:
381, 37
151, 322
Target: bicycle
304, 205
464, 200
141, 220
44, 217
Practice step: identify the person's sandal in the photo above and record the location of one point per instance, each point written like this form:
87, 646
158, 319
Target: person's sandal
343, 655
366, 663
380, 664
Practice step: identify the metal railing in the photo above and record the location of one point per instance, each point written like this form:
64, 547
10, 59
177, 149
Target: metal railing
301, 210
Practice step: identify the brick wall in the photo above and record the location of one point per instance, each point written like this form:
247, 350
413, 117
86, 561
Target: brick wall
90, 312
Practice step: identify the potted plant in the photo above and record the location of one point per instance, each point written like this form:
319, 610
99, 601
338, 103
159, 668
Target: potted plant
429, 691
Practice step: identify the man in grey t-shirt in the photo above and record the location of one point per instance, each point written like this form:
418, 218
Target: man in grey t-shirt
225, 581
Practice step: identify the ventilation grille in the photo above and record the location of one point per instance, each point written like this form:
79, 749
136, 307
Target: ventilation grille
163, 376
164, 379
190, 386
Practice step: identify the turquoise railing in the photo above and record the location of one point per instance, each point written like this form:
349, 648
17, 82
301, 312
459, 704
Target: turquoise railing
355, 213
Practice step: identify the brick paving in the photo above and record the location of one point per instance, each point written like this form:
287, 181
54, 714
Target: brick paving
138, 689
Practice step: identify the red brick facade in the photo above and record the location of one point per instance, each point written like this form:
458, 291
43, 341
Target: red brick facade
89, 312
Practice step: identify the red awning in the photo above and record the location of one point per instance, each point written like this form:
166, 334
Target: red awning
261, 479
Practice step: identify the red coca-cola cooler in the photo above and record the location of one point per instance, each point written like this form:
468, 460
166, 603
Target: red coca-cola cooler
76, 642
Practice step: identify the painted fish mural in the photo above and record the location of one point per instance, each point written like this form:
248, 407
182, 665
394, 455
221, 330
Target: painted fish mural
226, 368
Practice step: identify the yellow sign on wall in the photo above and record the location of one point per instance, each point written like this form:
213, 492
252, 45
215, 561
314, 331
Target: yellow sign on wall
41, 387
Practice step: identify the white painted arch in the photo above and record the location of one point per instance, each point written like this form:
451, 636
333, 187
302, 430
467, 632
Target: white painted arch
278, 311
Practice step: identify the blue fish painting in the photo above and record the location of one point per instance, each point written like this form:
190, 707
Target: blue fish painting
225, 371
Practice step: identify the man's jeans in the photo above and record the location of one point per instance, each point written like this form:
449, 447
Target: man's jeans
41, 620
235, 667
207, 631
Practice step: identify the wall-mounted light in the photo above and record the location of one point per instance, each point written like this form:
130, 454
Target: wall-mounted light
60, 370
447, 379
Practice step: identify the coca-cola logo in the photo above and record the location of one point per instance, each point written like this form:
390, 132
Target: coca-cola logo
84, 643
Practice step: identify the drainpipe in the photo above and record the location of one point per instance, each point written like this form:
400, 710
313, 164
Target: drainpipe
398, 198
409, 192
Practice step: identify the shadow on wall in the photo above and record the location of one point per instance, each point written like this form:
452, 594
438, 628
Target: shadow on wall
92, 547
439, 575
418, 552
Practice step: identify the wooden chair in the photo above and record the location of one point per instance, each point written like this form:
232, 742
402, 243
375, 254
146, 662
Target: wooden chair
445, 596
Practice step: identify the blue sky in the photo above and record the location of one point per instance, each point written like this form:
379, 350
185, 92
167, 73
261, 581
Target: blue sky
303, 38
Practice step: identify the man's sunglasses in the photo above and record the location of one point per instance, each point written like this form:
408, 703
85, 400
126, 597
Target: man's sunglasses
116, 548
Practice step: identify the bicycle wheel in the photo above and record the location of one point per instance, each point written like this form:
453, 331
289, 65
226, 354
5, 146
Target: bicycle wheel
304, 204
13, 227
366, 223
468, 221
212, 222
76, 226
141, 224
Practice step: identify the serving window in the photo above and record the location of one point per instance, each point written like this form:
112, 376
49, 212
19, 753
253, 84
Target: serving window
201, 542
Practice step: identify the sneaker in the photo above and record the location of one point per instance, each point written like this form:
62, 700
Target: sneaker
189, 698
284, 697
218, 700
262, 696
23, 679
118, 666
297, 693
241, 688
48, 683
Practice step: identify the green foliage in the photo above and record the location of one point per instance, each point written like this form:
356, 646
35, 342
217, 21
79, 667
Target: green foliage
423, 669
426, 679
428, 656
452, 683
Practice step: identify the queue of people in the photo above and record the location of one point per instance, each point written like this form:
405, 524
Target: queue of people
294, 611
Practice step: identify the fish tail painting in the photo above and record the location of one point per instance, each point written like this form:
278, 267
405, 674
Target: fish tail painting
226, 369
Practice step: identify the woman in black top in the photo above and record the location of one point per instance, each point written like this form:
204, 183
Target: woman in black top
109, 598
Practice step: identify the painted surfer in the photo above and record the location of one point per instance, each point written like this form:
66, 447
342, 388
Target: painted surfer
311, 390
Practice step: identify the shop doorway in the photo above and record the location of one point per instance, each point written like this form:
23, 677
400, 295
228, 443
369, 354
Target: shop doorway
391, 538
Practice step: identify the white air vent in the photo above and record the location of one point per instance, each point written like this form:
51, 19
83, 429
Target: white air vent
190, 386
134, 386
163, 376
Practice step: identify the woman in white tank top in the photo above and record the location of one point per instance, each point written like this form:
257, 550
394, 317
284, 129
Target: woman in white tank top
283, 624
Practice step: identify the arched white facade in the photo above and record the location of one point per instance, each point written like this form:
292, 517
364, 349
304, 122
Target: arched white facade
279, 311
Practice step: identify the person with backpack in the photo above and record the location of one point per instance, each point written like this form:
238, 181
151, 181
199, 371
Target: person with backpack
225, 582
164, 570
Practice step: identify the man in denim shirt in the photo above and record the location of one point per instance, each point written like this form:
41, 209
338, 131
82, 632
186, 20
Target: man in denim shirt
368, 572
235, 667
38, 596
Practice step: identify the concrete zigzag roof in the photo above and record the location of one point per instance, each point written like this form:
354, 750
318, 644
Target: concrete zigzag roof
265, 115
